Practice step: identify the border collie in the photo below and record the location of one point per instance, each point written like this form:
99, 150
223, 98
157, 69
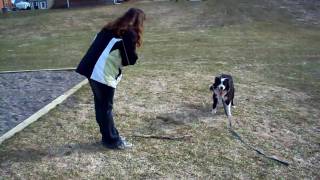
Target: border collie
223, 90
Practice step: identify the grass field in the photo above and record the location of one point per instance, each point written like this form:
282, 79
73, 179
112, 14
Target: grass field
270, 47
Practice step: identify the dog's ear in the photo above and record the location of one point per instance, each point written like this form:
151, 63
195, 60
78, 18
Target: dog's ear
211, 88
226, 83
216, 79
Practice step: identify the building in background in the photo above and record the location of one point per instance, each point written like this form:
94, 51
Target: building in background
48, 4
39, 4
5, 4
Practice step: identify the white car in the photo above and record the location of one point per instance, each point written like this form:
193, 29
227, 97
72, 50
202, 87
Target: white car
23, 5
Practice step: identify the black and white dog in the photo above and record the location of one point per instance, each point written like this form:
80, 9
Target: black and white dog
223, 90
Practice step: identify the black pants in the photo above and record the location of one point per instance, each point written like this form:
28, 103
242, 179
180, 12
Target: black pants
103, 101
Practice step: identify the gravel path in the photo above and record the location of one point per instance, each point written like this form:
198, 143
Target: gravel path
22, 94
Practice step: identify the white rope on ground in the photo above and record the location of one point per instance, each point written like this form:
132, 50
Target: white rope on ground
38, 70
42, 111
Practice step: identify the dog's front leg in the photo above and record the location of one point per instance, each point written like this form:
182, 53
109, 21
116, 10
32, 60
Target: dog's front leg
229, 114
215, 103
228, 110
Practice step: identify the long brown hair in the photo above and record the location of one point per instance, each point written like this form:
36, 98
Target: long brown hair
133, 18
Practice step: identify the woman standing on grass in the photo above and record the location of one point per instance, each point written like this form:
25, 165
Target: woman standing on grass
113, 47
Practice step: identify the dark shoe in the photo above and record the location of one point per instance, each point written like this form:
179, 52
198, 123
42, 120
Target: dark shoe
107, 145
122, 144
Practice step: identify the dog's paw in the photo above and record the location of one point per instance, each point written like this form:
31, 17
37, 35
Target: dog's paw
214, 111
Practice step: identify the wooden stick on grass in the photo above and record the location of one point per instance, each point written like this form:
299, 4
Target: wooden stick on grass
162, 137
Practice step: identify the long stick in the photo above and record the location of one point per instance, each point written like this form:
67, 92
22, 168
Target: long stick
162, 137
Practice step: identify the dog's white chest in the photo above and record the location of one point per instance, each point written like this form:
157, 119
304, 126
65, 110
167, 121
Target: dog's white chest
220, 96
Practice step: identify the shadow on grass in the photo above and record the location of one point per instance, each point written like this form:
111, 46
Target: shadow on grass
173, 122
188, 113
35, 155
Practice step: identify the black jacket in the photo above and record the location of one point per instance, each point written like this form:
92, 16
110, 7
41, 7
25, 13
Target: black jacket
98, 45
